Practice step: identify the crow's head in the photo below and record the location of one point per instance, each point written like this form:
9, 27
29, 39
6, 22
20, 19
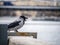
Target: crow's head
23, 17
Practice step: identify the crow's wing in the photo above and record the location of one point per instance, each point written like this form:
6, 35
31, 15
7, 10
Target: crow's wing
14, 24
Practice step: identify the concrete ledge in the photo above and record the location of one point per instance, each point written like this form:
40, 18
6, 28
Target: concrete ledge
3, 34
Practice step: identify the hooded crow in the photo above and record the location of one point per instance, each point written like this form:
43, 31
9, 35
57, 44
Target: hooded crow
17, 24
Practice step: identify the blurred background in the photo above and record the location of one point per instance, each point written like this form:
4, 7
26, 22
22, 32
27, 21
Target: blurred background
42, 24
31, 3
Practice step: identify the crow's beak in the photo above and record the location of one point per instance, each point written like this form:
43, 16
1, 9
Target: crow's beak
26, 18
23, 17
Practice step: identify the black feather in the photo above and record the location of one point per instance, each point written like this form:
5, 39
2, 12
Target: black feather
14, 24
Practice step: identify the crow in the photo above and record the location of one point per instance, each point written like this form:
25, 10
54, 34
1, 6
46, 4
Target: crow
17, 24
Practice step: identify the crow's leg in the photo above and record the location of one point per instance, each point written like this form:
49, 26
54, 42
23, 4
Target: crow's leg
16, 30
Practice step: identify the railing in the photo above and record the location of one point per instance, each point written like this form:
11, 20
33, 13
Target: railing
30, 7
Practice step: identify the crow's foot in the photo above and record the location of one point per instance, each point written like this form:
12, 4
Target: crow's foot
16, 30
